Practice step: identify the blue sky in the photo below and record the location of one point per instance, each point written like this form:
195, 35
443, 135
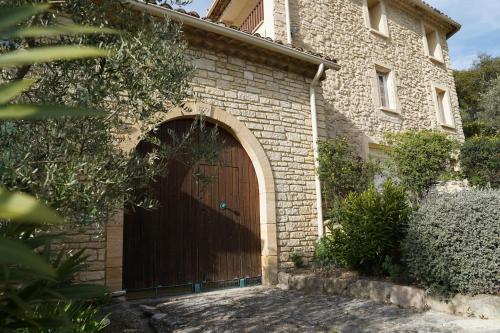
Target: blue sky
480, 32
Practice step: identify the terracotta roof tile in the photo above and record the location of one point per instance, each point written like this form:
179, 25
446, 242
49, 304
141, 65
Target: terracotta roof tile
277, 41
435, 9
222, 4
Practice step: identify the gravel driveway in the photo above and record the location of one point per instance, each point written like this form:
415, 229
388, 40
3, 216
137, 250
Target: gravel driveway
258, 309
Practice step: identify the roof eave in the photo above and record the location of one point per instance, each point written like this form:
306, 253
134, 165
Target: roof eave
232, 33
455, 26
453, 31
421, 4
212, 8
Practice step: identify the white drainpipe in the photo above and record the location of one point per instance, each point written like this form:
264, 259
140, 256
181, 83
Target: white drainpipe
288, 24
314, 120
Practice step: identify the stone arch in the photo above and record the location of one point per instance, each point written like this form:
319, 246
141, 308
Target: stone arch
267, 194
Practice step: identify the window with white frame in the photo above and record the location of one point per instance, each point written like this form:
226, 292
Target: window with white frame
443, 107
376, 17
386, 89
432, 43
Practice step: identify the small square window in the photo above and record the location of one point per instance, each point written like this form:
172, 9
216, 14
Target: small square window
443, 108
375, 17
432, 43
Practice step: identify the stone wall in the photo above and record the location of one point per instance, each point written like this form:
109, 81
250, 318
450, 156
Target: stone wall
274, 105
451, 186
93, 239
337, 28
349, 284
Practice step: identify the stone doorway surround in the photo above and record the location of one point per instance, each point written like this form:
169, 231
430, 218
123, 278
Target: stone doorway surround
267, 195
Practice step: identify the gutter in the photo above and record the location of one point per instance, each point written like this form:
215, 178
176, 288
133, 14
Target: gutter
231, 33
288, 22
314, 121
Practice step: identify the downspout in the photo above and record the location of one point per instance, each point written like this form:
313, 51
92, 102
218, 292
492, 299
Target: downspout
287, 22
314, 121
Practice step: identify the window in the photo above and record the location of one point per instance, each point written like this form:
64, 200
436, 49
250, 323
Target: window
432, 44
255, 19
375, 17
383, 89
443, 107
386, 89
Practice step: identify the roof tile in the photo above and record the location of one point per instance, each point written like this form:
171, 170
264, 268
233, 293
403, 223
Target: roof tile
277, 41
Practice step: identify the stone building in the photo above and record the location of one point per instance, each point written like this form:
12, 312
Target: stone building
276, 76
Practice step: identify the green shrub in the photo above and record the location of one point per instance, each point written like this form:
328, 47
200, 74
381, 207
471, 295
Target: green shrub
372, 226
34, 301
297, 260
453, 243
480, 160
323, 254
342, 171
83, 318
86, 318
419, 159
479, 127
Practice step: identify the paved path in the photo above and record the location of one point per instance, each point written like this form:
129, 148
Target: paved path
258, 309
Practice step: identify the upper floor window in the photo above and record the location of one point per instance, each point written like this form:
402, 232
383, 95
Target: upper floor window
376, 16
383, 88
386, 89
432, 43
255, 19
443, 106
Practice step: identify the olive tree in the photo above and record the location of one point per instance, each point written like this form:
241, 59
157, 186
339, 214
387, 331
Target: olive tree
75, 165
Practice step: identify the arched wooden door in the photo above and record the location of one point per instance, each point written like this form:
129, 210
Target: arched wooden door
203, 232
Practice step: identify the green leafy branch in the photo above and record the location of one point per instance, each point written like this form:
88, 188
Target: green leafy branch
34, 283
10, 18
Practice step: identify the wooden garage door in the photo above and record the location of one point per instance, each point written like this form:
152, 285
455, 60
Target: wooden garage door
203, 232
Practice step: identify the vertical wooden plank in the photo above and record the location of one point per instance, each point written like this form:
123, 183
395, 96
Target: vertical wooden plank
235, 248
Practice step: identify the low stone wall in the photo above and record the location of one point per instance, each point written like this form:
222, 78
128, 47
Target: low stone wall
350, 285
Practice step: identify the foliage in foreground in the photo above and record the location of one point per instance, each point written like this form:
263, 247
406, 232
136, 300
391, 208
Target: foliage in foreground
77, 166
43, 297
342, 170
37, 292
453, 243
420, 159
480, 161
372, 225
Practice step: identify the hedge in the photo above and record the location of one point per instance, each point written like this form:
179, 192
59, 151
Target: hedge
453, 243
